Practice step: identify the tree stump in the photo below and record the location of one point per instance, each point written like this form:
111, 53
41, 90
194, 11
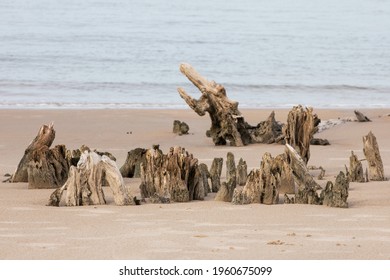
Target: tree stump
242, 172
231, 180
205, 175
85, 182
215, 174
47, 168
372, 154
287, 184
299, 130
360, 117
131, 167
174, 176
336, 195
262, 185
44, 138
355, 172
180, 128
227, 123
306, 185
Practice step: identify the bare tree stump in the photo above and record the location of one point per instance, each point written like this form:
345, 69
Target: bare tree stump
205, 175
336, 195
231, 180
360, 117
85, 182
372, 154
355, 172
215, 174
227, 123
47, 168
175, 176
44, 138
287, 183
262, 185
242, 172
299, 130
180, 128
131, 167
307, 186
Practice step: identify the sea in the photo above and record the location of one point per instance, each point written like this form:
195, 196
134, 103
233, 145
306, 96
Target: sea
86, 54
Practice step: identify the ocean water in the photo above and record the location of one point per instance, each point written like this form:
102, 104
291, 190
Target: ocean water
126, 53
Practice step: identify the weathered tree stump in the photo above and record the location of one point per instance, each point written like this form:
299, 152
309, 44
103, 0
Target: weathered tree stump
299, 130
355, 172
372, 154
262, 185
287, 183
215, 174
174, 176
306, 185
360, 117
242, 172
85, 182
131, 167
336, 195
231, 180
205, 175
227, 123
180, 128
44, 139
47, 168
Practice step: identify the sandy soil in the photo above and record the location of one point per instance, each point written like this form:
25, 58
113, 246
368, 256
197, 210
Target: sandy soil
195, 230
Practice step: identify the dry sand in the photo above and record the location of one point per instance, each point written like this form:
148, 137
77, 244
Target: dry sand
195, 230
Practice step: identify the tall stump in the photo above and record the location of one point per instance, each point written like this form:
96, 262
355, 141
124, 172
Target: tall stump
372, 154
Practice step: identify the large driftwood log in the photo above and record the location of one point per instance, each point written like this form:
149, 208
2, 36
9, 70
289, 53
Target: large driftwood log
131, 167
227, 123
299, 130
372, 154
355, 172
215, 174
174, 177
262, 185
306, 185
85, 182
44, 139
225, 193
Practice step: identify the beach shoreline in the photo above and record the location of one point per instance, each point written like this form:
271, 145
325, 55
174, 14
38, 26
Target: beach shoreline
200, 229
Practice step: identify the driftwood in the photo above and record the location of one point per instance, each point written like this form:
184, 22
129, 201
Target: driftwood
85, 182
215, 174
242, 172
262, 185
287, 183
225, 193
174, 176
205, 175
336, 195
355, 172
44, 139
360, 117
47, 168
306, 185
227, 123
372, 154
131, 167
299, 130
180, 128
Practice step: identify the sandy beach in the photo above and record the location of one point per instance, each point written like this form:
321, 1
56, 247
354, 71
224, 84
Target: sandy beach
195, 230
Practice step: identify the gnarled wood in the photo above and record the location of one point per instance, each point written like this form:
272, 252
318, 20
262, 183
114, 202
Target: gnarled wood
174, 176
227, 123
242, 172
336, 195
355, 172
231, 180
131, 167
85, 182
44, 139
299, 130
287, 183
306, 185
180, 128
215, 174
372, 154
